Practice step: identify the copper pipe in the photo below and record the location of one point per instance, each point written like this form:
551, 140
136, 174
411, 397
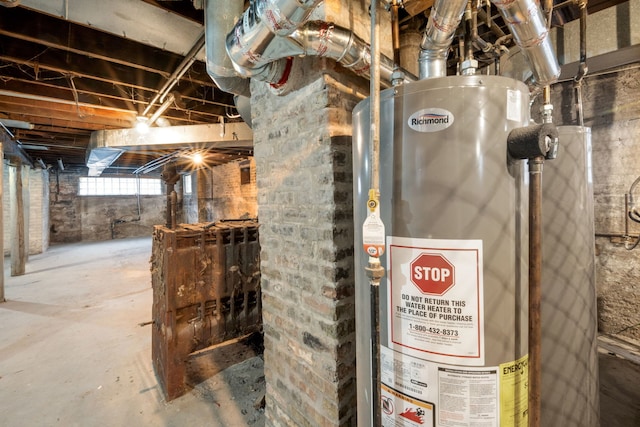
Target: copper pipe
535, 294
395, 31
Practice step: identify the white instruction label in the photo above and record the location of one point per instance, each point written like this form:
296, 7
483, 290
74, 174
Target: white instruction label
436, 299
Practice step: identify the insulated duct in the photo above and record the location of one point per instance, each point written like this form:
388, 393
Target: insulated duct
527, 24
443, 21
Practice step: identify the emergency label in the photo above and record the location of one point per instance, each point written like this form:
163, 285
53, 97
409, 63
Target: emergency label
436, 299
514, 392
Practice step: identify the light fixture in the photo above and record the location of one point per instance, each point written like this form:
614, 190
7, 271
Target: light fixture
197, 158
142, 125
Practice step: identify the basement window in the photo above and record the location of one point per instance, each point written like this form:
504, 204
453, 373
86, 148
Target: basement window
186, 183
107, 186
245, 172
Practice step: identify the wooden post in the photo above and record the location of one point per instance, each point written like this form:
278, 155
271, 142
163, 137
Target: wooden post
2, 299
26, 208
18, 260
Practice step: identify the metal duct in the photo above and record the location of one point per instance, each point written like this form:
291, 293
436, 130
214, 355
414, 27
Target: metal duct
250, 44
220, 17
527, 24
325, 39
443, 21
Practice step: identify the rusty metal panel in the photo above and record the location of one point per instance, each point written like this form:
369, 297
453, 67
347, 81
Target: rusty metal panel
206, 290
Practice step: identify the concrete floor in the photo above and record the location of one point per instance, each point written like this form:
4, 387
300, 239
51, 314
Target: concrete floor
72, 352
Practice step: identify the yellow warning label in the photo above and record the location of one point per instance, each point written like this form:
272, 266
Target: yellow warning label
514, 393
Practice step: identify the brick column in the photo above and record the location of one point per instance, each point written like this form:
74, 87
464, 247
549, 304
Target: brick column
304, 175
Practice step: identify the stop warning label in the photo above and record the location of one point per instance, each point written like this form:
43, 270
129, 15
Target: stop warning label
436, 299
432, 273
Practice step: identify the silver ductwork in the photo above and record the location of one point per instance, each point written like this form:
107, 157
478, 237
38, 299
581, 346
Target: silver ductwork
250, 44
270, 32
220, 17
325, 39
527, 24
443, 21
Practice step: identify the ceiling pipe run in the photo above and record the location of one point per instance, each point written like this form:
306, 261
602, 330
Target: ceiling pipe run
175, 77
526, 22
438, 35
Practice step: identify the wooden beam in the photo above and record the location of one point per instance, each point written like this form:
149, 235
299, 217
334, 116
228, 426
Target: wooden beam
85, 114
18, 260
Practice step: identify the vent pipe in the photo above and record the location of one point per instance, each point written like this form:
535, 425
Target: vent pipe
219, 18
527, 24
443, 21
325, 39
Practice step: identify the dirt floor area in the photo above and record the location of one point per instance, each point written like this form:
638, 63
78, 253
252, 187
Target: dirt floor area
73, 352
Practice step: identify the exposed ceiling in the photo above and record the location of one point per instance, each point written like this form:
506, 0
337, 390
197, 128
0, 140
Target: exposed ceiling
102, 66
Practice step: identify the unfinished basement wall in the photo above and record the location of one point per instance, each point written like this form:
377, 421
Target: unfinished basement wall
302, 149
38, 210
611, 109
36, 188
6, 211
75, 218
227, 191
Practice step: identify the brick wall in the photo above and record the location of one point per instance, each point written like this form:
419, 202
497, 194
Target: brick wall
35, 186
304, 177
611, 109
6, 211
38, 210
95, 218
218, 193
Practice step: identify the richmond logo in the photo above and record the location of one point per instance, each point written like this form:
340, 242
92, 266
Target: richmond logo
430, 120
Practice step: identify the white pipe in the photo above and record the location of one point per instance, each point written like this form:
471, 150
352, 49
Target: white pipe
527, 24
438, 35
17, 124
175, 77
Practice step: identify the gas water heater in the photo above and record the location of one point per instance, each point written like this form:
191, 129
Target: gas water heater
453, 302
454, 308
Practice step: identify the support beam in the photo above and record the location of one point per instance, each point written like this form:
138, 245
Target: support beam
2, 299
18, 260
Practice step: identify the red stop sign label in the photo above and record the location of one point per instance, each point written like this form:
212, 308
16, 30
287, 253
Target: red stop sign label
433, 274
